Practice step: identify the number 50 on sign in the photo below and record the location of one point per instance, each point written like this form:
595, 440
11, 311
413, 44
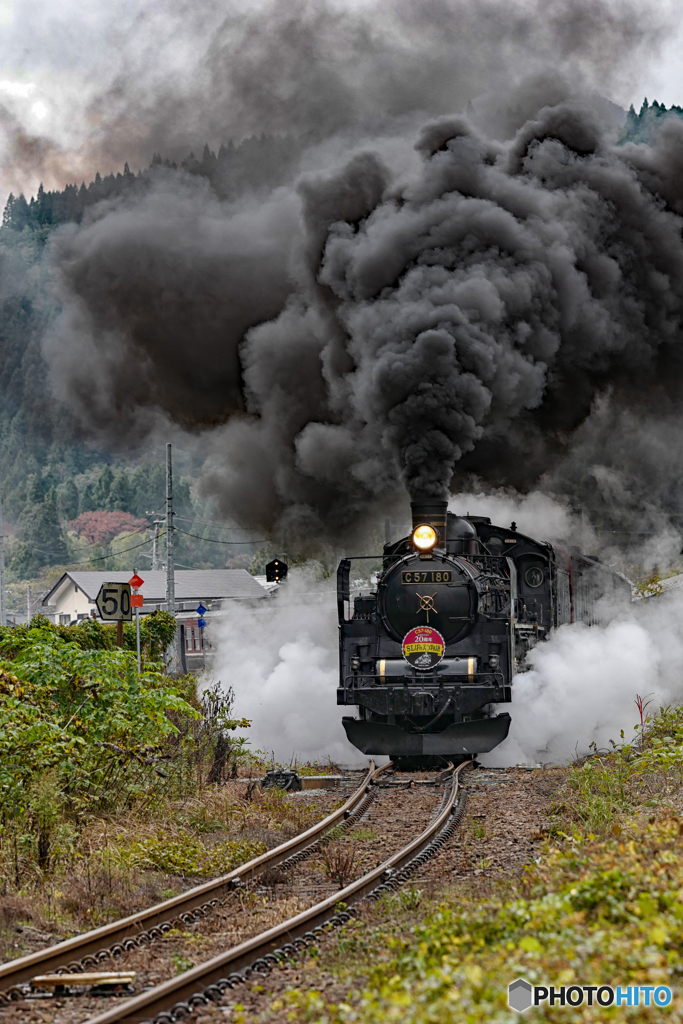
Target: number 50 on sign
113, 602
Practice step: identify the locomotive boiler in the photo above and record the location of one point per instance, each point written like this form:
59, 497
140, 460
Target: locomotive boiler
427, 657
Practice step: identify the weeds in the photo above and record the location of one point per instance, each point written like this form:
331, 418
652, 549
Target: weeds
363, 835
599, 792
186, 855
113, 781
602, 905
407, 900
609, 786
338, 861
181, 963
594, 913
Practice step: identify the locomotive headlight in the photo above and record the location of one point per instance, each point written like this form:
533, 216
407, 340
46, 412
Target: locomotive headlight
424, 537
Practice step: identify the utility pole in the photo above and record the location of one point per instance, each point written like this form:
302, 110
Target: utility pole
3, 606
155, 544
137, 627
170, 573
28, 604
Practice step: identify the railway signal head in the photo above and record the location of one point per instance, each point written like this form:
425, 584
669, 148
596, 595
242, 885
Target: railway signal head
276, 571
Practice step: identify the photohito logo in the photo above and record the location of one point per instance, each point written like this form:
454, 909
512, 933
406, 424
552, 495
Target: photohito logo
522, 995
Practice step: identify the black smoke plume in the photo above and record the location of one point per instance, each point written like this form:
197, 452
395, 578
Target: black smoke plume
482, 306
393, 319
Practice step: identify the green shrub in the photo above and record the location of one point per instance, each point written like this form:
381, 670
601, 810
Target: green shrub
85, 716
156, 633
187, 855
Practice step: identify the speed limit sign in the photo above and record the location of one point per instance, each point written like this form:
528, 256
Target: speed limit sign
113, 602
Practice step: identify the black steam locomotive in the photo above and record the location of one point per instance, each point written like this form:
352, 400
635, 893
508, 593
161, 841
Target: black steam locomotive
458, 605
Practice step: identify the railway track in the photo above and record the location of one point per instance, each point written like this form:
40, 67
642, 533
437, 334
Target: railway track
179, 997
93, 949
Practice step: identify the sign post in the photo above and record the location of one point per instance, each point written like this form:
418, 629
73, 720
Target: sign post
113, 604
136, 602
201, 623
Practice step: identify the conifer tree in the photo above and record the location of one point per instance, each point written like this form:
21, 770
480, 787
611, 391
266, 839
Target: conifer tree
68, 500
120, 493
102, 488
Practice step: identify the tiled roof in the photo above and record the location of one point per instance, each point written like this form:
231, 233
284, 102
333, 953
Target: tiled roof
190, 584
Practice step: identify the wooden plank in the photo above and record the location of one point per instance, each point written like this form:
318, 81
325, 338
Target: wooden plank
86, 978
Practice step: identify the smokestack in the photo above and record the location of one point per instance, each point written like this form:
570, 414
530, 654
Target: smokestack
432, 512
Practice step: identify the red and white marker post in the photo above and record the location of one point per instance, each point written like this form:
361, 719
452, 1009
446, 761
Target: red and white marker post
136, 602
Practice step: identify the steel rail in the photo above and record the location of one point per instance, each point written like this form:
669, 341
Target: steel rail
199, 900
178, 997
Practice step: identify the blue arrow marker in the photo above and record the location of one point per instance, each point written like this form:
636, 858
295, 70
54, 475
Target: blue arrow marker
200, 609
201, 623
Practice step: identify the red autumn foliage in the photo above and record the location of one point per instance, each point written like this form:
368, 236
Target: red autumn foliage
101, 527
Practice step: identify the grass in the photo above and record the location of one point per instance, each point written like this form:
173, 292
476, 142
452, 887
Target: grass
116, 785
602, 905
362, 835
338, 861
117, 864
606, 912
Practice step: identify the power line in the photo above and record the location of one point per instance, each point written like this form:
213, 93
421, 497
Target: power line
103, 558
207, 522
209, 540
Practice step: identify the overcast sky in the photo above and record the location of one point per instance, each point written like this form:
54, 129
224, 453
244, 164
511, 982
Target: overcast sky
66, 67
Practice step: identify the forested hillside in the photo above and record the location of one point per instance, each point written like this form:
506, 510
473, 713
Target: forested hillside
53, 480
255, 163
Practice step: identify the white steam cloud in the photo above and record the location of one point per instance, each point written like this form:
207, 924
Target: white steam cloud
281, 658
584, 681
536, 515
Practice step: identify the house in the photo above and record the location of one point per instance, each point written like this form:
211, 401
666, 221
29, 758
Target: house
72, 599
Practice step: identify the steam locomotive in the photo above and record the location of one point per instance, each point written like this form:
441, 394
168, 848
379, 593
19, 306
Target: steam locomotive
457, 606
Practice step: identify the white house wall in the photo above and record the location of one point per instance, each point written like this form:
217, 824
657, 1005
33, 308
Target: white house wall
72, 602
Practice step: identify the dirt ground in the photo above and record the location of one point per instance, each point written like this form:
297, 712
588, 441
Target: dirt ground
393, 818
504, 822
